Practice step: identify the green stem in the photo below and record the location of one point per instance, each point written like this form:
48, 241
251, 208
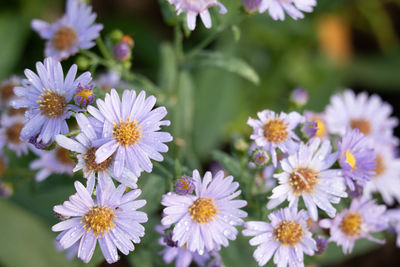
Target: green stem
178, 38
103, 49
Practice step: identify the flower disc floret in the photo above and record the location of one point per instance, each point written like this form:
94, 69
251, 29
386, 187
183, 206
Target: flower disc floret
288, 233
362, 125
275, 131
12, 133
99, 219
127, 133
52, 105
351, 224
90, 161
203, 210
303, 180
64, 38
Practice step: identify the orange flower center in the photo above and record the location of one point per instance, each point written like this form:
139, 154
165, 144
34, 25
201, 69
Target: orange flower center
380, 166
62, 156
52, 104
12, 133
275, 131
90, 161
362, 125
64, 38
303, 180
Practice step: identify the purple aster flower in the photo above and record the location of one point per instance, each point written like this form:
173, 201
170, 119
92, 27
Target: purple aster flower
111, 219
356, 159
10, 130
294, 8
52, 161
184, 185
316, 123
306, 174
83, 144
286, 238
131, 131
370, 115
194, 8
206, 220
299, 96
251, 5
84, 96
74, 31
271, 132
182, 256
393, 216
359, 221
47, 96
6, 90
386, 179
321, 243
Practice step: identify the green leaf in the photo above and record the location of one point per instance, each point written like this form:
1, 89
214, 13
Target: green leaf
28, 241
168, 67
228, 63
13, 31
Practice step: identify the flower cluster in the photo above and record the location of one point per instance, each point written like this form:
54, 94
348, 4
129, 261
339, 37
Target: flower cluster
320, 160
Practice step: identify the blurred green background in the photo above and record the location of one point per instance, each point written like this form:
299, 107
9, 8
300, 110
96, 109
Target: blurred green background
342, 44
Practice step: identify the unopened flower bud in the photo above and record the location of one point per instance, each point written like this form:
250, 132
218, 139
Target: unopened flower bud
84, 95
321, 245
260, 157
299, 96
184, 185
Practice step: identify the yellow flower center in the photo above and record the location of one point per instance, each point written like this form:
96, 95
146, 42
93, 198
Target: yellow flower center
380, 166
362, 125
303, 180
203, 210
12, 133
288, 233
127, 133
52, 104
90, 161
99, 219
350, 159
351, 224
62, 156
321, 129
64, 38
275, 131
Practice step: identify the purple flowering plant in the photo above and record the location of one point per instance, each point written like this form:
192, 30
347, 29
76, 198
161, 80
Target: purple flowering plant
114, 148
